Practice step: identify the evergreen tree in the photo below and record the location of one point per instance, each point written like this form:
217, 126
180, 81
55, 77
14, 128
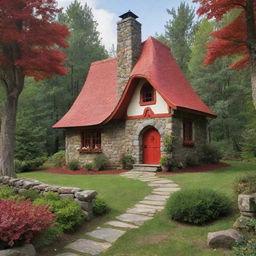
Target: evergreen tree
179, 32
84, 44
218, 86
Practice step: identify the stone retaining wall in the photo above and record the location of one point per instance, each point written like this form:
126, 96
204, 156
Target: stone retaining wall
83, 197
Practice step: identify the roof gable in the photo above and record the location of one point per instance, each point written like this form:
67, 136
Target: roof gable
157, 65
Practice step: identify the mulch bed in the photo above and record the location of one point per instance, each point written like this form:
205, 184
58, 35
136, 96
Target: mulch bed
82, 171
200, 168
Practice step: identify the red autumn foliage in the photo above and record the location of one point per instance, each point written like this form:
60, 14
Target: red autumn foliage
233, 39
20, 221
29, 37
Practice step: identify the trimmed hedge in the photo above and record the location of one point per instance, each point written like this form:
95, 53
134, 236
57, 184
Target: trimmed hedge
198, 206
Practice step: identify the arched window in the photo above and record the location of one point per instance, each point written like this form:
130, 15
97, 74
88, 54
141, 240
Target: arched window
147, 95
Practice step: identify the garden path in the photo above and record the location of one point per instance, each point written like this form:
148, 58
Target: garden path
103, 237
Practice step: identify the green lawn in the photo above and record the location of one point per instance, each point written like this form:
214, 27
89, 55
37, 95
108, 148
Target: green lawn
120, 193
163, 237
160, 236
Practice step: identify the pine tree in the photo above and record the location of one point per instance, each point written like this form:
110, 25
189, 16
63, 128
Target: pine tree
179, 32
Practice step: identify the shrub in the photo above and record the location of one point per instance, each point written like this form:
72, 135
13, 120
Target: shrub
28, 165
56, 160
168, 163
30, 194
20, 221
127, 162
6, 193
100, 207
101, 162
197, 206
245, 184
88, 166
191, 161
250, 225
208, 154
73, 165
168, 143
244, 248
47, 237
68, 212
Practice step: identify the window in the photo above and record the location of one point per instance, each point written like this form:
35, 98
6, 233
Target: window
147, 95
90, 141
188, 133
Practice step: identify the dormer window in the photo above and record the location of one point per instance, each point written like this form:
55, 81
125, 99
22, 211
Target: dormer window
147, 95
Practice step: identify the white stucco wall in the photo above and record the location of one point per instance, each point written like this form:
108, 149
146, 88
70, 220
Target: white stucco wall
135, 109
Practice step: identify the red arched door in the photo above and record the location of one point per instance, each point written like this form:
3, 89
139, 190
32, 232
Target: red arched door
151, 147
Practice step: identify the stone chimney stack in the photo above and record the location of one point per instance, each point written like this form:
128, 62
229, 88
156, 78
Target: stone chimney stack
128, 47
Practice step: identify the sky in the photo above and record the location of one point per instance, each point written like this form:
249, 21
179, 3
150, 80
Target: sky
152, 15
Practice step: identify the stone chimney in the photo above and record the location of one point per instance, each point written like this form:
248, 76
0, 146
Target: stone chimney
128, 47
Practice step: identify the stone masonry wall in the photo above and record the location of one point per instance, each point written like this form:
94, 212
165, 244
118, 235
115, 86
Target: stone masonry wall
83, 197
134, 132
125, 137
112, 141
128, 49
200, 135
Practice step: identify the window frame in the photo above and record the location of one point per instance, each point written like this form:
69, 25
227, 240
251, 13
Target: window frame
188, 132
91, 141
142, 95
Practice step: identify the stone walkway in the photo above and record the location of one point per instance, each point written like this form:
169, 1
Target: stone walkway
102, 238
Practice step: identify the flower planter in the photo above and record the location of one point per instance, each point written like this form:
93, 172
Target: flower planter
247, 205
25, 250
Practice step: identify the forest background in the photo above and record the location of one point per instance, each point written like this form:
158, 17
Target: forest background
227, 92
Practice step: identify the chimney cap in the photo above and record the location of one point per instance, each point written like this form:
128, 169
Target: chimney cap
128, 14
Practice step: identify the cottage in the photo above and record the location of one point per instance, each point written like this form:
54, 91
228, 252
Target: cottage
129, 103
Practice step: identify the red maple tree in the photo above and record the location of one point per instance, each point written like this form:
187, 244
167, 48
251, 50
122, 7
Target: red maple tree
29, 41
237, 38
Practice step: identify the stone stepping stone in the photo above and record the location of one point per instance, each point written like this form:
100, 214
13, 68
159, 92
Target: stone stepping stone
161, 193
163, 182
67, 254
158, 208
133, 218
156, 198
170, 185
166, 189
107, 234
120, 224
158, 203
142, 210
88, 246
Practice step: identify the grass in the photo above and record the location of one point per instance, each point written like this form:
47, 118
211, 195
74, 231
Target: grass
119, 193
160, 236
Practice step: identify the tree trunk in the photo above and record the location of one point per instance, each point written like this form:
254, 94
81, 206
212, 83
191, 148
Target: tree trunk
7, 139
251, 31
253, 82
13, 81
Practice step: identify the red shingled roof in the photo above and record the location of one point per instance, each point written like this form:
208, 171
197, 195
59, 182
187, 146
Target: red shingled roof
157, 65
97, 99
98, 103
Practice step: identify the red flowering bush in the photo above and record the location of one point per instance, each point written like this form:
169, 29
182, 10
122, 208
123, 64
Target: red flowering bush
20, 221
